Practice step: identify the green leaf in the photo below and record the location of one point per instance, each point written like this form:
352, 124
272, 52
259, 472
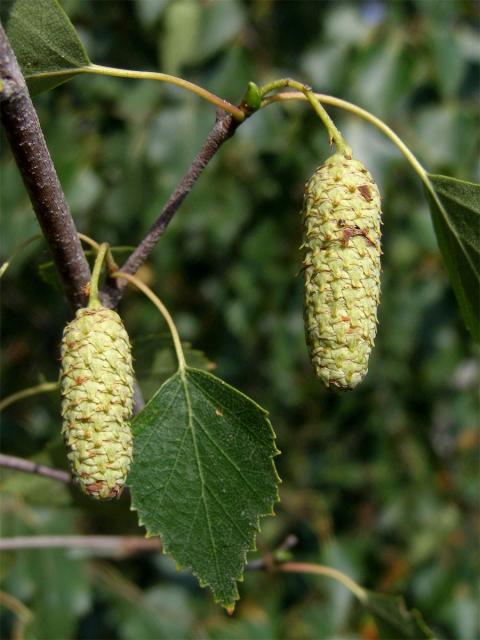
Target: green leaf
456, 218
394, 618
202, 476
45, 42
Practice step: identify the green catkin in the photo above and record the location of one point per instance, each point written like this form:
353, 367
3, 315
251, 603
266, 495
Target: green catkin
97, 400
341, 223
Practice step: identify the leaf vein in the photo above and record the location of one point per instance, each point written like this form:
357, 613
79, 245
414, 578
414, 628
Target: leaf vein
227, 457
200, 471
154, 431
215, 403
229, 516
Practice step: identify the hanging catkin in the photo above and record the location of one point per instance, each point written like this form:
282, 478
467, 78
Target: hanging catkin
97, 400
341, 227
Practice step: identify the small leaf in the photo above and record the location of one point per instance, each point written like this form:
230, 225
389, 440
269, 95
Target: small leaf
202, 476
45, 42
252, 97
395, 618
456, 218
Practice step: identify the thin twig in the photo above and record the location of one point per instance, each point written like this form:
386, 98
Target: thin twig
368, 117
22, 613
236, 112
322, 570
177, 343
30, 151
20, 464
31, 154
115, 545
44, 387
223, 129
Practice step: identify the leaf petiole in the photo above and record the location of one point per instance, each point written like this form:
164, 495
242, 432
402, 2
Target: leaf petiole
322, 570
237, 113
365, 115
163, 310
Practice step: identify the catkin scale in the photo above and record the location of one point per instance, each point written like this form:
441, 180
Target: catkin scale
341, 241
97, 400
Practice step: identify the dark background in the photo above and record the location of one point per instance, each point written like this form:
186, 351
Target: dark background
381, 482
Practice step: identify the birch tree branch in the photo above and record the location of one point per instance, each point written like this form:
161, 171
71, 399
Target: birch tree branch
112, 545
223, 129
27, 466
30, 151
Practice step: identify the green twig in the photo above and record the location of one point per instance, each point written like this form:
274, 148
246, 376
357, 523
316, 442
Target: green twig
237, 113
307, 92
381, 126
163, 310
93, 300
45, 387
322, 570
98, 69
92, 243
109, 259
23, 615
385, 129
365, 115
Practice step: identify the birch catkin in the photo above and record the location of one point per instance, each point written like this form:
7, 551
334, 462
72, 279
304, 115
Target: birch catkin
97, 400
341, 225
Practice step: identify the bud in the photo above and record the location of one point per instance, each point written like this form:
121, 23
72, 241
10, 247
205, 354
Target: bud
97, 400
341, 239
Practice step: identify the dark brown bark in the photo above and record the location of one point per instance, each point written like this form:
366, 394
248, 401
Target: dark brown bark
24, 134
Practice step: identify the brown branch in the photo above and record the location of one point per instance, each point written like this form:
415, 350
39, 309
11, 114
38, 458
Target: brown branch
20, 464
223, 129
31, 154
30, 151
114, 545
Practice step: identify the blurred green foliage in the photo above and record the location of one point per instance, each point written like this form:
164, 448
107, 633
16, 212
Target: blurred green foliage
382, 482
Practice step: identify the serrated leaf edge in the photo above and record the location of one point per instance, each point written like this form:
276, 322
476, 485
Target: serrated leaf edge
436, 198
251, 545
